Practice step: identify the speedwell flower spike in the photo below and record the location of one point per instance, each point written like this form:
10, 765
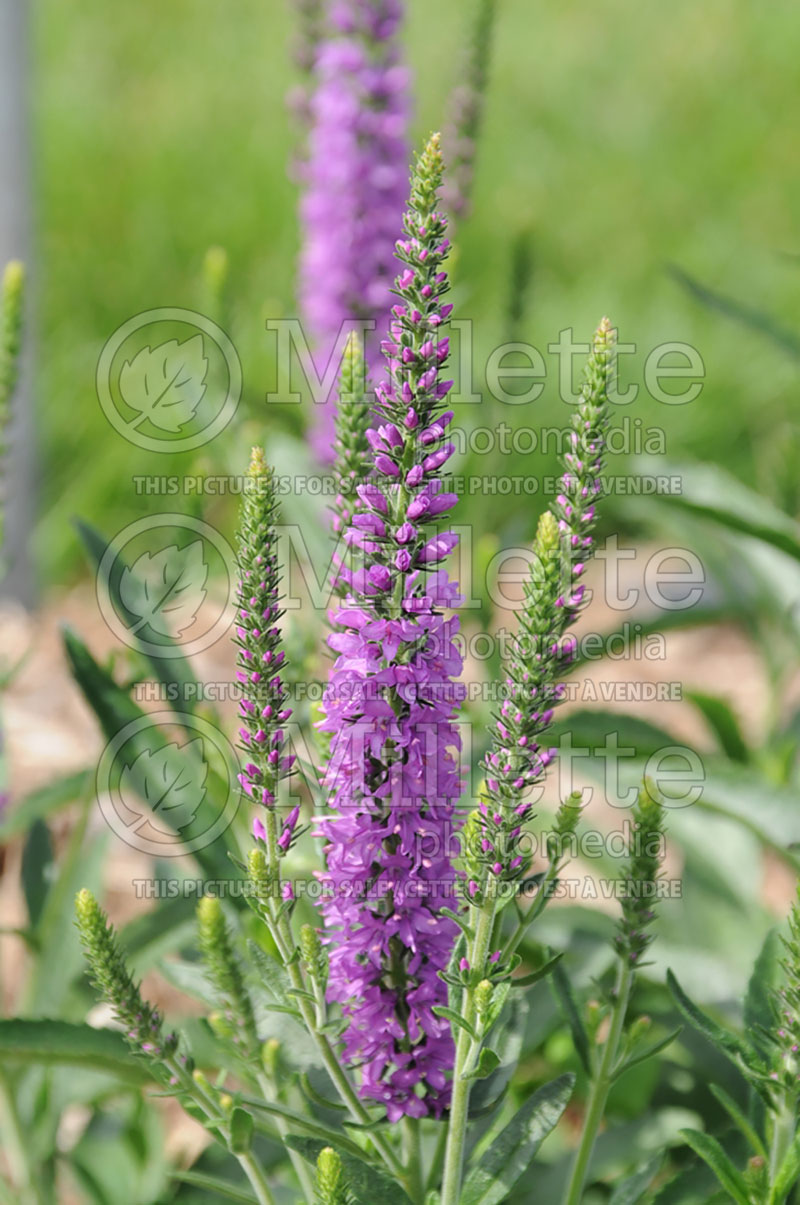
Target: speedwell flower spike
141, 1023
226, 975
542, 651
645, 854
394, 775
11, 303
331, 1187
355, 182
263, 709
351, 448
466, 112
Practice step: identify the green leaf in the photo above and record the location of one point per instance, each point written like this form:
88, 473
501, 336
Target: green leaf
114, 710
315, 1129
632, 1189
42, 803
753, 318
765, 979
738, 1051
488, 1062
788, 1174
26, 1042
646, 1052
241, 1131
173, 670
739, 1120
542, 973
368, 1184
459, 920
509, 1156
441, 1010
213, 1184
722, 722
566, 997
721, 1165
710, 492
37, 860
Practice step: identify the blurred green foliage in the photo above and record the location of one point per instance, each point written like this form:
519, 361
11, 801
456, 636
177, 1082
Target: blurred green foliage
620, 138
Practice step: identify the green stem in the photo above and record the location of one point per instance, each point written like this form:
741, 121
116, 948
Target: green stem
536, 909
783, 1130
15, 1146
435, 1172
412, 1150
282, 936
459, 1104
206, 1103
258, 1181
600, 1087
301, 1168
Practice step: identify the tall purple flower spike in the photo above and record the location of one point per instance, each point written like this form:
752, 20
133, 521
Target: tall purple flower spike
355, 185
390, 705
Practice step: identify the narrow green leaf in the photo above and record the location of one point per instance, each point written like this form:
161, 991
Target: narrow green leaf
459, 920
441, 1010
721, 1165
738, 1051
509, 1156
172, 671
315, 1129
632, 1189
723, 723
214, 1185
241, 1131
738, 1118
37, 860
368, 1184
542, 973
114, 709
488, 1062
566, 997
42, 803
764, 980
25, 1042
646, 1052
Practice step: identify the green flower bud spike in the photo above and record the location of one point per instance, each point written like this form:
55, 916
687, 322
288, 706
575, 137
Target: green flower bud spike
142, 1024
351, 448
11, 305
226, 974
331, 1182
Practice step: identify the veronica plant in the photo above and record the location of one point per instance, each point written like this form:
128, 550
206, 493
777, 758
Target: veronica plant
354, 181
402, 977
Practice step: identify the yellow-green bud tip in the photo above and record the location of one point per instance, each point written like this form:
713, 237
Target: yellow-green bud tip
85, 904
258, 464
209, 912
215, 266
547, 532
13, 276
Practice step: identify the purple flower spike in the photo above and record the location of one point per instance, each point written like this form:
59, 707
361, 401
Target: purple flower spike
394, 773
355, 184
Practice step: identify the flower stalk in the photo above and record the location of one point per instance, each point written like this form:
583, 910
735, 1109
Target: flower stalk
541, 655
631, 942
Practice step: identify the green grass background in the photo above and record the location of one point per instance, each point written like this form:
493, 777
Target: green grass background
621, 137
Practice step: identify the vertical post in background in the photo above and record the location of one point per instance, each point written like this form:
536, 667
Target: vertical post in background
15, 243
